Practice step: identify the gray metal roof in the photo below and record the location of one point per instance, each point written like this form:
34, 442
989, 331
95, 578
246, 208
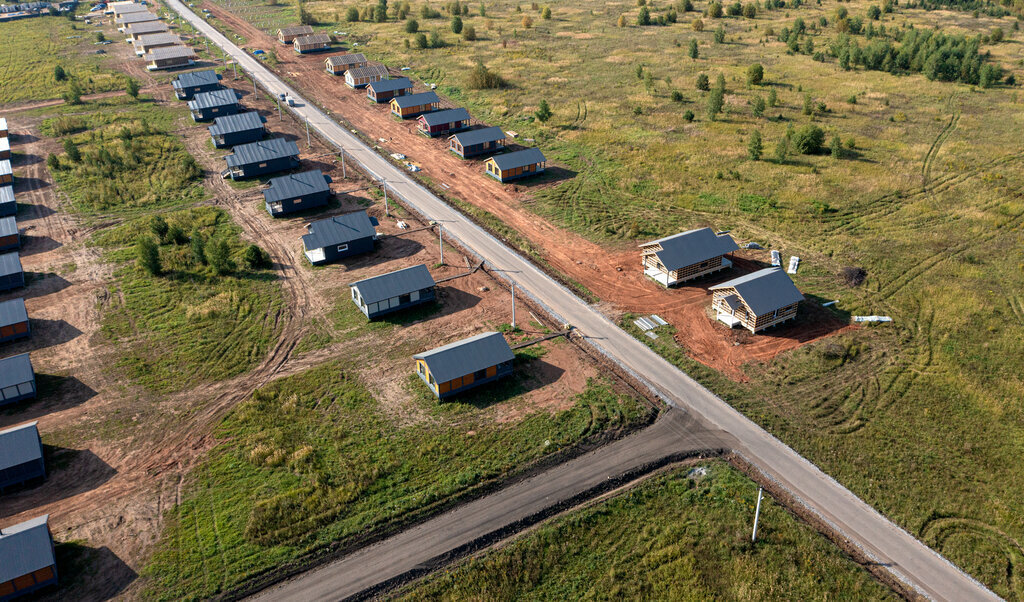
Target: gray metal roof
19, 444
25, 548
466, 356
316, 38
295, 30
390, 85
239, 122
10, 263
8, 226
137, 18
146, 27
6, 194
346, 59
339, 230
473, 137
368, 70
445, 116
152, 39
13, 311
264, 150
5, 167
15, 370
170, 52
214, 98
124, 9
296, 185
393, 284
520, 158
414, 100
196, 78
764, 291
692, 246
3, 124
5, 144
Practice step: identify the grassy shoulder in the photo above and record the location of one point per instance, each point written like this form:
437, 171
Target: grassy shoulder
187, 324
36, 46
684, 535
313, 461
120, 157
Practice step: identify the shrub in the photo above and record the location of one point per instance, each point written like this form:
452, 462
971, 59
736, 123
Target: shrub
71, 150
874, 13
59, 74
808, 139
158, 225
198, 247
481, 78
132, 88
176, 236
757, 106
677, 96
352, 14
773, 98
412, 26
644, 16
436, 41
703, 83
735, 9
73, 96
697, 25
218, 254
256, 258
53, 162
720, 35
421, 41
147, 255
694, 51
688, 115
755, 74
527, 22
543, 112
808, 104
456, 24
853, 276
546, 13
836, 148
469, 33
715, 10
715, 102
750, 10
754, 146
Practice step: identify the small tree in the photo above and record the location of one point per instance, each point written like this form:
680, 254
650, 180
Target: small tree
677, 96
147, 255
380, 12
644, 16
412, 26
720, 35
808, 139
697, 24
175, 235
757, 106
782, 146
546, 13
456, 24
874, 13
755, 74
483, 10
715, 102
622, 21
694, 51
59, 74
703, 83
100, 37
836, 147
808, 104
132, 88
527, 22
158, 225
256, 258
750, 10
543, 112
720, 82
352, 14
218, 253
421, 41
436, 41
53, 162
73, 96
71, 150
773, 98
469, 33
198, 247
715, 10
754, 146
688, 116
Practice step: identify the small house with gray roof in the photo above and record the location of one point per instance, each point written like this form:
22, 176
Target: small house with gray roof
460, 366
11, 273
137, 30
28, 561
8, 206
6, 173
386, 89
340, 236
358, 77
317, 42
394, 291
757, 300
513, 166
5, 148
187, 85
240, 128
207, 106
483, 141
21, 456
414, 105
297, 192
13, 320
675, 259
170, 57
17, 379
339, 64
261, 158
287, 35
443, 122
10, 240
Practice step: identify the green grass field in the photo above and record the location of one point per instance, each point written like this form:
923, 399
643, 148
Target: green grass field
314, 460
187, 325
921, 418
35, 46
679, 536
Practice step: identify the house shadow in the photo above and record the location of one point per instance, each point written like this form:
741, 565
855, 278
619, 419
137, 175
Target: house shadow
30, 245
552, 175
87, 573
69, 472
53, 393
391, 247
49, 333
527, 375
453, 300
18, 159
38, 284
28, 211
25, 184
22, 138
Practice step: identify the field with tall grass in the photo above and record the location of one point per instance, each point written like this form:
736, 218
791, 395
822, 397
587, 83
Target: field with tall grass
314, 460
684, 535
922, 418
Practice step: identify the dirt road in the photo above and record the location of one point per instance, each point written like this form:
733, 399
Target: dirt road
612, 273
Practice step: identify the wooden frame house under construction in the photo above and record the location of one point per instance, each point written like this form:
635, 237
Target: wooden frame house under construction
757, 300
675, 259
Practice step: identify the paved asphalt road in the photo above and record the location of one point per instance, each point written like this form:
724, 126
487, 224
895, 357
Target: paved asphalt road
905, 557
674, 435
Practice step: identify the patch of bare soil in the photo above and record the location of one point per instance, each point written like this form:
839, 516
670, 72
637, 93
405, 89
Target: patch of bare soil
612, 273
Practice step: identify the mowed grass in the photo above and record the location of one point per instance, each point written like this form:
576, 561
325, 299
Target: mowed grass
679, 536
187, 325
313, 460
130, 161
33, 47
922, 418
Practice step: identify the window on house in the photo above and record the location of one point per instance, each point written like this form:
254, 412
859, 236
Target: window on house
402, 299
342, 248
263, 165
480, 374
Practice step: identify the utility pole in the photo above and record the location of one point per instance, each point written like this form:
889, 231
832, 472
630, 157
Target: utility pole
279, 117
343, 176
254, 85
385, 183
440, 241
513, 304
757, 514
308, 144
